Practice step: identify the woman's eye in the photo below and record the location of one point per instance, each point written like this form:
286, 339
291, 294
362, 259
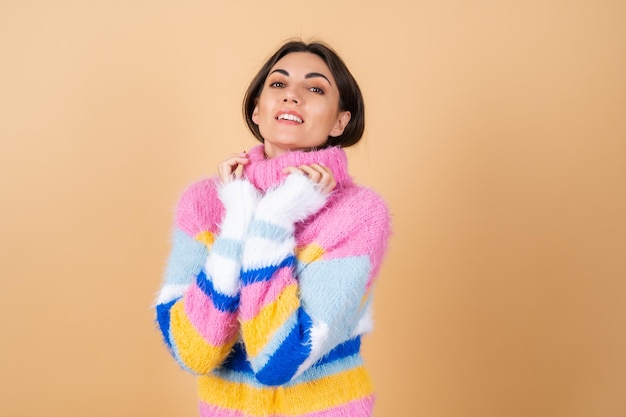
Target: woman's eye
277, 84
316, 90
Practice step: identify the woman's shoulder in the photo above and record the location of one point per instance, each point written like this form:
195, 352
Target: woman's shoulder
199, 208
355, 222
353, 212
361, 203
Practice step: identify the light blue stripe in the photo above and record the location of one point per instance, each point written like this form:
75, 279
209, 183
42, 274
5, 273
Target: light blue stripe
332, 288
300, 266
277, 339
269, 231
228, 248
327, 369
186, 259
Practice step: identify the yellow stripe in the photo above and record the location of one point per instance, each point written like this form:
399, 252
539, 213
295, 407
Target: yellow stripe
364, 299
309, 253
207, 238
317, 395
198, 355
258, 331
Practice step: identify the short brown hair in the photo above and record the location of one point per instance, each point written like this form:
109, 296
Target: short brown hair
350, 97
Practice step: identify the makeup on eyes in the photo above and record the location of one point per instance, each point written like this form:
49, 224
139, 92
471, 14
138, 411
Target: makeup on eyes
307, 76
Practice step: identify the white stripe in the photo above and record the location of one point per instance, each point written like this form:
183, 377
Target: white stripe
240, 198
366, 323
224, 272
295, 200
261, 252
319, 337
171, 292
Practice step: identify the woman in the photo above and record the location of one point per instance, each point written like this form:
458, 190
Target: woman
268, 286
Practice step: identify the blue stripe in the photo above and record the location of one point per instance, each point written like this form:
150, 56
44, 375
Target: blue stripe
237, 360
278, 337
284, 363
220, 301
265, 273
163, 319
348, 348
314, 373
320, 371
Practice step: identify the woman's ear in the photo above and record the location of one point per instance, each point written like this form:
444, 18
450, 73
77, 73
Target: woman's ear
255, 112
342, 121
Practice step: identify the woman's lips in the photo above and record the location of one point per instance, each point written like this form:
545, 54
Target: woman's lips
290, 116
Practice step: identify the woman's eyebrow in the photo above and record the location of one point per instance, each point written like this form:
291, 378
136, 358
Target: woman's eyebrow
282, 71
317, 74
309, 75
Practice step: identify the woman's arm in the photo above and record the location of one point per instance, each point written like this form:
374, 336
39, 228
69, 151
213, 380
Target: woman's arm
289, 322
196, 308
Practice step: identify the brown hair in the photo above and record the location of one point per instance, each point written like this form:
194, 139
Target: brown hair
350, 97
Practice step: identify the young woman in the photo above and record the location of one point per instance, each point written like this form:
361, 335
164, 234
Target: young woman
268, 287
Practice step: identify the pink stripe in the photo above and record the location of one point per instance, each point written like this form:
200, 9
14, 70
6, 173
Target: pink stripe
256, 296
217, 327
358, 408
368, 235
207, 410
199, 208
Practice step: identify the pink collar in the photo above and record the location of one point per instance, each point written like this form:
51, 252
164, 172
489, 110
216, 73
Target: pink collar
266, 173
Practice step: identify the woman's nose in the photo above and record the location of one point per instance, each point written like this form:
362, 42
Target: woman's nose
290, 96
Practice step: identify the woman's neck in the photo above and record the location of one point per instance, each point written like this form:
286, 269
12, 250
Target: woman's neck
273, 151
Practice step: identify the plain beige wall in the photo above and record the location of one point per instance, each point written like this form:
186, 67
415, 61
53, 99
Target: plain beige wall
496, 131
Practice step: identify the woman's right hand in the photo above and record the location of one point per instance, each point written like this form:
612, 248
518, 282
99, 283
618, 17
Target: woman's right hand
318, 174
228, 169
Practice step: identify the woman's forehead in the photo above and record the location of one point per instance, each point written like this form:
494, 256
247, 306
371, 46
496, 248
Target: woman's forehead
302, 61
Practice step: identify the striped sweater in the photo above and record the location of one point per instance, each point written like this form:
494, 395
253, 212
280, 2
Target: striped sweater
267, 290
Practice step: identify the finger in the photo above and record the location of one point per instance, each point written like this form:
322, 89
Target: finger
327, 180
324, 171
320, 175
228, 168
293, 170
313, 174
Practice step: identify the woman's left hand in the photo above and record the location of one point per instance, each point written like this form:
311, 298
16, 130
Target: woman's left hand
319, 174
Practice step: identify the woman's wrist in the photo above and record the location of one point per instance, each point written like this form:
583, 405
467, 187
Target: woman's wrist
294, 200
240, 199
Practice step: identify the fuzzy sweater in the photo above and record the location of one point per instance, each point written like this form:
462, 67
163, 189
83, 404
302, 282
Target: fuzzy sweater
268, 289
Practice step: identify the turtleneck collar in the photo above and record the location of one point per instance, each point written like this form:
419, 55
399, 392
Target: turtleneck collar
266, 173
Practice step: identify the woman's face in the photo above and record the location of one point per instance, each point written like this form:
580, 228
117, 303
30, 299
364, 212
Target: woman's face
298, 108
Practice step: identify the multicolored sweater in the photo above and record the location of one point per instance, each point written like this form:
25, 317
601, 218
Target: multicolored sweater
268, 289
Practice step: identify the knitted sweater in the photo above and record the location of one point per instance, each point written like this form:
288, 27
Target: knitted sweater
268, 289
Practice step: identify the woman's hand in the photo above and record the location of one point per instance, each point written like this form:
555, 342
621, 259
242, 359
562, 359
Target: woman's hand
319, 174
228, 169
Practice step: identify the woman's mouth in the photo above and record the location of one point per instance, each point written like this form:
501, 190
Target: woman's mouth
290, 116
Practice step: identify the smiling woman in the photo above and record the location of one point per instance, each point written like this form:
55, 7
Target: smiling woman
322, 72
299, 105
269, 284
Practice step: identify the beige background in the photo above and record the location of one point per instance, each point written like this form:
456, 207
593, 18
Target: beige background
496, 132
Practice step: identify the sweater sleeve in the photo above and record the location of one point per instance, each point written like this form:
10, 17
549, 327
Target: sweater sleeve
290, 316
196, 307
